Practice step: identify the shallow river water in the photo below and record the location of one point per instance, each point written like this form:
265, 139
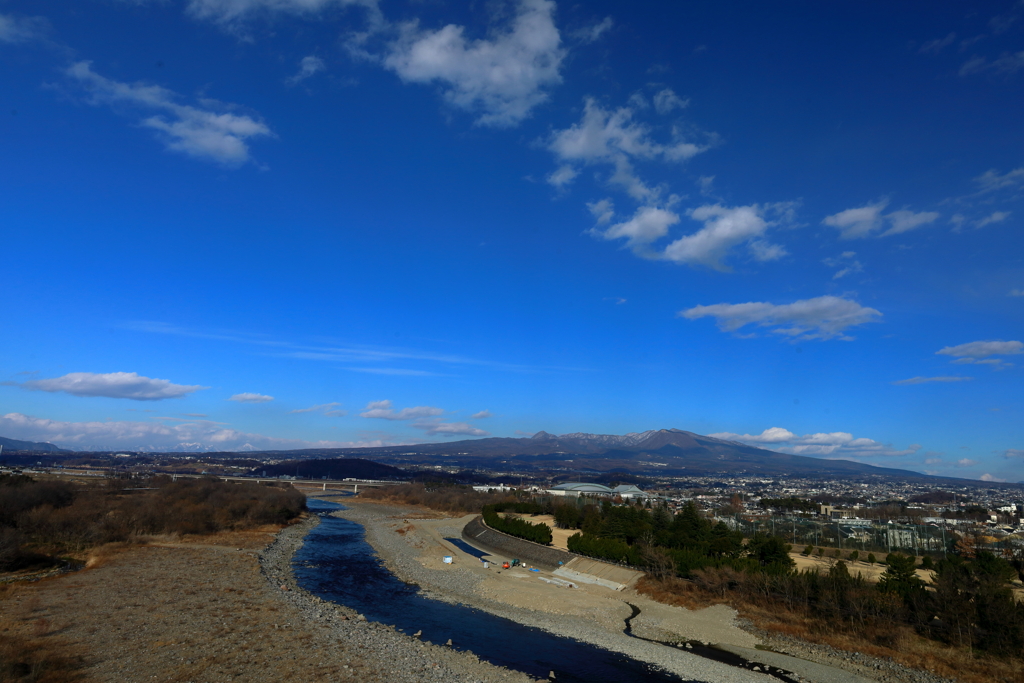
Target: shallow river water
336, 563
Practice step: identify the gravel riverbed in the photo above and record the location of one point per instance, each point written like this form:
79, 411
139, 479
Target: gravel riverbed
399, 657
459, 585
456, 584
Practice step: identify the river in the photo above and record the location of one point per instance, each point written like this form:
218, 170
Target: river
336, 563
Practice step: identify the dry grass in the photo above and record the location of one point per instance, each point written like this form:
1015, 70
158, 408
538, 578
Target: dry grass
36, 660
450, 499
31, 647
898, 643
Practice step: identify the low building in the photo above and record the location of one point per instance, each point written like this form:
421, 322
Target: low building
577, 488
627, 491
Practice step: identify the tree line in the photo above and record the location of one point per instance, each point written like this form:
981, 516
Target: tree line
41, 520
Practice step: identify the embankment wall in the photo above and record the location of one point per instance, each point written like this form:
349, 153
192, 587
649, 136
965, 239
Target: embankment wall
509, 546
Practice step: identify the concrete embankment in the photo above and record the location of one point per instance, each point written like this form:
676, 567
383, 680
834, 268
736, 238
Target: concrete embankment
563, 564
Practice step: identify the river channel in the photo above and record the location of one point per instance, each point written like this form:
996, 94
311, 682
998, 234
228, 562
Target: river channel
336, 563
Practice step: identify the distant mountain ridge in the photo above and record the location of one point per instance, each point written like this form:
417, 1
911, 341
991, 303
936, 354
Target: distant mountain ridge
655, 452
16, 445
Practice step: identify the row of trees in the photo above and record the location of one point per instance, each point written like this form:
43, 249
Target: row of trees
40, 519
969, 604
516, 526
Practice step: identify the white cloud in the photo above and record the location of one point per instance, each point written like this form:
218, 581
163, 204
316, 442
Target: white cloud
983, 349
835, 445
867, 220
502, 78
251, 398
905, 221
859, 222
723, 229
603, 211
328, 409
197, 435
309, 66
994, 217
926, 380
991, 180
647, 225
1016, 292
1013, 453
825, 317
383, 410
231, 11
203, 133
762, 250
665, 101
562, 176
604, 136
966, 462
128, 385
936, 46
989, 477
449, 428
481, 415
16, 30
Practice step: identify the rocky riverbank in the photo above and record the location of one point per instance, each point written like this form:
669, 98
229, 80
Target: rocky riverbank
412, 550
401, 658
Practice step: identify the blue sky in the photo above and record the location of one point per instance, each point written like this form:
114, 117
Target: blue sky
281, 223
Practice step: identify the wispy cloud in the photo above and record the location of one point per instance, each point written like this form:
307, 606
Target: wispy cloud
846, 263
825, 317
938, 45
251, 398
481, 415
328, 409
1007, 64
15, 29
127, 385
831, 444
231, 13
435, 428
869, 221
211, 131
309, 66
343, 354
383, 410
993, 181
994, 217
983, 353
156, 436
927, 380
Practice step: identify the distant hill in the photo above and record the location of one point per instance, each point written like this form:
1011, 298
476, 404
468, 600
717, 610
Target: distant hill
332, 468
16, 445
657, 452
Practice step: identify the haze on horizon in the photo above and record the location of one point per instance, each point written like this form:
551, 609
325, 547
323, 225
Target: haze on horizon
294, 223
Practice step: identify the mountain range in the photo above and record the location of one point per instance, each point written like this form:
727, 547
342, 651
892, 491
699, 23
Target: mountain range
16, 445
665, 452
